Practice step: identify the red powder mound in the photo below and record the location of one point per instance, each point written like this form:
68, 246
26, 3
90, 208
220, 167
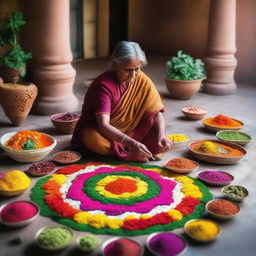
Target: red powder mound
123, 247
18, 211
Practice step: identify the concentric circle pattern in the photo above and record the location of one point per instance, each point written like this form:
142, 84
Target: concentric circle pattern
120, 200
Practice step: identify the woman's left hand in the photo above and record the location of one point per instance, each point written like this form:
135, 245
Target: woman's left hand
165, 144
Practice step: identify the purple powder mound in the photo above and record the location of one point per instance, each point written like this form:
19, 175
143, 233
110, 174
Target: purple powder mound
215, 176
167, 244
67, 117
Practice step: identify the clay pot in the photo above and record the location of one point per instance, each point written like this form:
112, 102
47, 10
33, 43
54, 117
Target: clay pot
182, 89
11, 75
17, 100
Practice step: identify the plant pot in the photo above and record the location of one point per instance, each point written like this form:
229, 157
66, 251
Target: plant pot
11, 75
17, 100
182, 89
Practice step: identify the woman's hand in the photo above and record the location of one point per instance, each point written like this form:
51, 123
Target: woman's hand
164, 144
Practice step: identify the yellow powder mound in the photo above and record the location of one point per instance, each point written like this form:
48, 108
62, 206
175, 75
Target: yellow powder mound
14, 180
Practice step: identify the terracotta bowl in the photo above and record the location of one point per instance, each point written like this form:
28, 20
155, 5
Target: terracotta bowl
240, 142
64, 126
224, 189
194, 115
26, 156
216, 159
181, 171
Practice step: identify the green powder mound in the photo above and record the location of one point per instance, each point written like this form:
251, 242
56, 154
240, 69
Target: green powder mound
88, 243
233, 135
54, 237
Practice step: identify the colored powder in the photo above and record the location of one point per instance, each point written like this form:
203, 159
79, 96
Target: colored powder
67, 117
202, 229
215, 148
223, 207
18, 211
233, 135
222, 121
215, 176
123, 247
177, 137
14, 180
236, 192
41, 168
66, 156
167, 244
195, 110
181, 163
26, 140
55, 237
88, 243
121, 185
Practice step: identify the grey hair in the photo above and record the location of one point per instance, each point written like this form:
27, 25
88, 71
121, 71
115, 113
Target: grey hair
127, 50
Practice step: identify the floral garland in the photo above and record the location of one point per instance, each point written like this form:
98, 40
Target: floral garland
120, 200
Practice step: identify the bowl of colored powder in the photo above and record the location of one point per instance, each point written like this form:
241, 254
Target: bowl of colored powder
222, 209
27, 146
14, 183
221, 122
202, 230
41, 168
181, 165
122, 246
88, 243
179, 140
240, 138
215, 177
166, 244
18, 213
65, 122
194, 113
235, 192
66, 157
54, 237
216, 151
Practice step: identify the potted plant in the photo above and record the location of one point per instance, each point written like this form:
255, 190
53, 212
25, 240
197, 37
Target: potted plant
16, 97
184, 75
13, 58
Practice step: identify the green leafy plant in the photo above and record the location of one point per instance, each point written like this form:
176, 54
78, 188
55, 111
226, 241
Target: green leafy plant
14, 57
185, 67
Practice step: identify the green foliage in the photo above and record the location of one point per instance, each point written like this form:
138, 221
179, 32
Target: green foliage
185, 67
15, 57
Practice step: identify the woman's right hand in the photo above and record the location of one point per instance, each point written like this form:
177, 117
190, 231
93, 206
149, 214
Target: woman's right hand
137, 147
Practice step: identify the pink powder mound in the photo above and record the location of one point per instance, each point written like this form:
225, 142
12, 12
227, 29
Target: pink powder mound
18, 211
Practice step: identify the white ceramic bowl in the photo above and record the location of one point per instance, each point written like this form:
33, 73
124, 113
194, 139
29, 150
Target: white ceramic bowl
26, 156
53, 248
179, 145
223, 190
221, 216
20, 223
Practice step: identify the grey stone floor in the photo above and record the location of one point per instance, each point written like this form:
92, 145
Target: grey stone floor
238, 235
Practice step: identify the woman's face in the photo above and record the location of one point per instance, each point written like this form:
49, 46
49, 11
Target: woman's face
128, 71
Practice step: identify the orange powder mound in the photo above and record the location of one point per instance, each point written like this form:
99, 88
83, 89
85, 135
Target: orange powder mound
121, 185
230, 152
222, 121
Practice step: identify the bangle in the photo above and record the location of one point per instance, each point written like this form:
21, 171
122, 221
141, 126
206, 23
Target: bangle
123, 138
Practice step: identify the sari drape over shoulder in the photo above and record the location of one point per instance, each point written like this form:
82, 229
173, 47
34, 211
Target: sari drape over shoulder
133, 114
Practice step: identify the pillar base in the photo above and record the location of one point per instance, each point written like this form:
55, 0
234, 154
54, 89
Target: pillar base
220, 88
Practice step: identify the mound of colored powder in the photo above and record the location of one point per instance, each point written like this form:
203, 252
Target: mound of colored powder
167, 244
88, 243
233, 135
215, 176
123, 247
18, 211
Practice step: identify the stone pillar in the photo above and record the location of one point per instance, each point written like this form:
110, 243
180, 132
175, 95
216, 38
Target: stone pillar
46, 35
221, 47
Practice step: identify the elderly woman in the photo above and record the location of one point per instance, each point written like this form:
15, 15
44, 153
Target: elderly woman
122, 110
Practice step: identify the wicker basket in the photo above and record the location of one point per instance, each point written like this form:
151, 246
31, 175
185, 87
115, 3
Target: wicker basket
64, 126
26, 156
